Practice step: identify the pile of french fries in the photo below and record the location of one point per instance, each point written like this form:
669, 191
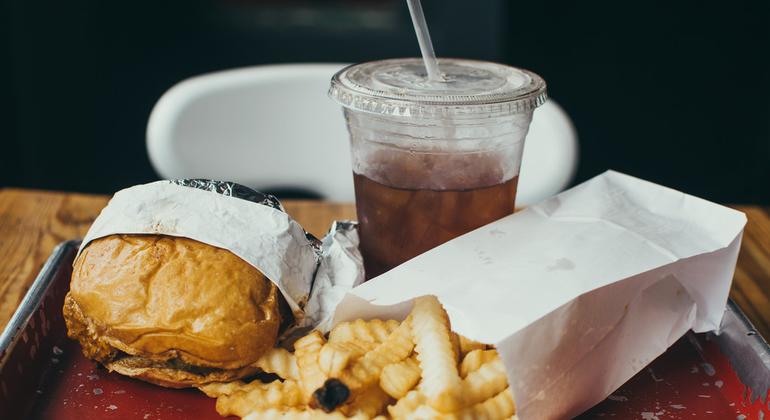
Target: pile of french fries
415, 369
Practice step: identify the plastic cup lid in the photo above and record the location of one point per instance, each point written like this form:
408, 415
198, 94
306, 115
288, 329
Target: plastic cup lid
399, 87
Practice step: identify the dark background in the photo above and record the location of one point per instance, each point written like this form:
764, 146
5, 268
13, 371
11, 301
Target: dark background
674, 92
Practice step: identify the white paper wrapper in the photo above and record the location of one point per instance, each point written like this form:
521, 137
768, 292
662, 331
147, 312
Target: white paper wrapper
579, 292
267, 238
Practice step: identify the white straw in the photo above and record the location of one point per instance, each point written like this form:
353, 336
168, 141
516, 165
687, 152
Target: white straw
423, 38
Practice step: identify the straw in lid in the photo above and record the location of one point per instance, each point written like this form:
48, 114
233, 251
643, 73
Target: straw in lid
400, 87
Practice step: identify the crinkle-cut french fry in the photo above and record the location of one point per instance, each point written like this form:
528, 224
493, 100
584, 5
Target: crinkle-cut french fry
369, 402
366, 370
426, 412
336, 356
216, 389
498, 407
333, 359
382, 329
373, 331
399, 378
342, 332
260, 396
406, 405
294, 414
467, 345
484, 383
440, 379
306, 350
474, 359
356, 348
280, 362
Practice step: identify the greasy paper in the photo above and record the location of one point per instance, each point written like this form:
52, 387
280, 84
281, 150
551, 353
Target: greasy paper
579, 292
265, 237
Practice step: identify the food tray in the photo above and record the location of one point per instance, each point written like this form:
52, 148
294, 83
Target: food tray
43, 375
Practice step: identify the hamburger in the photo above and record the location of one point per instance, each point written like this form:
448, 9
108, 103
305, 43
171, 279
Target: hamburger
171, 310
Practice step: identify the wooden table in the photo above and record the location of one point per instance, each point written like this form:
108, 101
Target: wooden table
33, 222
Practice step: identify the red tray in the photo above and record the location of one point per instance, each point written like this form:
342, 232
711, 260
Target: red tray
43, 375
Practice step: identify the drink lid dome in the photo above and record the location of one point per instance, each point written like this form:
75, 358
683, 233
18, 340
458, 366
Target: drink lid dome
400, 87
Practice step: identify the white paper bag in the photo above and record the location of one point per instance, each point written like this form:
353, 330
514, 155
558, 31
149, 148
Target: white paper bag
579, 292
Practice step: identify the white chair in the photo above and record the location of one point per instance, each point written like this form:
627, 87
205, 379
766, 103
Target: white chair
273, 127
550, 155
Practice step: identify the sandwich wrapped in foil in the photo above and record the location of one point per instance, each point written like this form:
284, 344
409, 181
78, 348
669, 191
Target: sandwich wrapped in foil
312, 274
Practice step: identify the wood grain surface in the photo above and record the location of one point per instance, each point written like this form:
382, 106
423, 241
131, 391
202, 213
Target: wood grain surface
751, 284
33, 222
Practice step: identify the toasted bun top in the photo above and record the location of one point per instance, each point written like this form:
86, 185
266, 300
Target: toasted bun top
163, 297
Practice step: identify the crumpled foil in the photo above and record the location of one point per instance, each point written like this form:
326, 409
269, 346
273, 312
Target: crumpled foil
231, 189
340, 270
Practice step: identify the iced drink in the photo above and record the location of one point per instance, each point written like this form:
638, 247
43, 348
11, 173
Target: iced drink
398, 224
432, 161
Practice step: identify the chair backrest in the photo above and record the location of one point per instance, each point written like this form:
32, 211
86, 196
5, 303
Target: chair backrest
273, 127
550, 155
265, 127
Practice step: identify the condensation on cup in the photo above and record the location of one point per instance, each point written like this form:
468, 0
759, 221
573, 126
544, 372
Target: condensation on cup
432, 160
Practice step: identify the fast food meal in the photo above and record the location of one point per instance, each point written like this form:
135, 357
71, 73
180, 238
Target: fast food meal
170, 310
414, 369
164, 292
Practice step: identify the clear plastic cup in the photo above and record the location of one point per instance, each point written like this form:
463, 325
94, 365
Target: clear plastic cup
432, 161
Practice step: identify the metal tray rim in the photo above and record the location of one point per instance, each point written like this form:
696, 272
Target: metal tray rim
746, 350
32, 300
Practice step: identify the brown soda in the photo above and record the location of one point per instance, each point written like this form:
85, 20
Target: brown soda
397, 224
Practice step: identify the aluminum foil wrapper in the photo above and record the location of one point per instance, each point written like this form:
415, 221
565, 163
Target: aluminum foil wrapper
252, 225
340, 270
231, 189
